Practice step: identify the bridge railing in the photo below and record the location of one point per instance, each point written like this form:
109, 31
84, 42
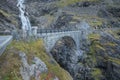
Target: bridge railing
53, 31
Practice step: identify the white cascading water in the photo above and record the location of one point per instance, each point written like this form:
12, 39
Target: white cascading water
26, 26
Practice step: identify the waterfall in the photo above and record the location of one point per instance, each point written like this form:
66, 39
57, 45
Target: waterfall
26, 26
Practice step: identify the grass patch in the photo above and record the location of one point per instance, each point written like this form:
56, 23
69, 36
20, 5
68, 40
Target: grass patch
9, 66
114, 33
9, 17
114, 60
93, 52
92, 20
95, 46
94, 37
5, 13
112, 44
63, 3
96, 23
98, 46
96, 74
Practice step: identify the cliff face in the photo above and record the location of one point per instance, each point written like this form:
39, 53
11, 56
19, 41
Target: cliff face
61, 13
8, 15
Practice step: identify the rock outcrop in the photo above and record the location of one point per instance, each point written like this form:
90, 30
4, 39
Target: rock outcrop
8, 15
27, 71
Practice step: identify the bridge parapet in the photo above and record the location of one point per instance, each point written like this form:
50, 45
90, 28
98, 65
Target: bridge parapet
53, 31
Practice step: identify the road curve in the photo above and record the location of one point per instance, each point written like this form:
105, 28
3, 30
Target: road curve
4, 41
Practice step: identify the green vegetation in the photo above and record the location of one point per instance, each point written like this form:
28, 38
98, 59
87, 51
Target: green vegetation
10, 61
95, 46
114, 60
115, 33
8, 16
96, 23
99, 46
96, 74
4, 13
9, 66
94, 37
92, 20
112, 44
92, 53
63, 3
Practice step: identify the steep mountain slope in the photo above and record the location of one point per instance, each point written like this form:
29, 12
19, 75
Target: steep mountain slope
62, 14
8, 15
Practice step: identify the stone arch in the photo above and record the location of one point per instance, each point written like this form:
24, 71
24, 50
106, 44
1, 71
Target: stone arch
69, 38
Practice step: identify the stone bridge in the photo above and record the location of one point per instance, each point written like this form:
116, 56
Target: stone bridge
50, 37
